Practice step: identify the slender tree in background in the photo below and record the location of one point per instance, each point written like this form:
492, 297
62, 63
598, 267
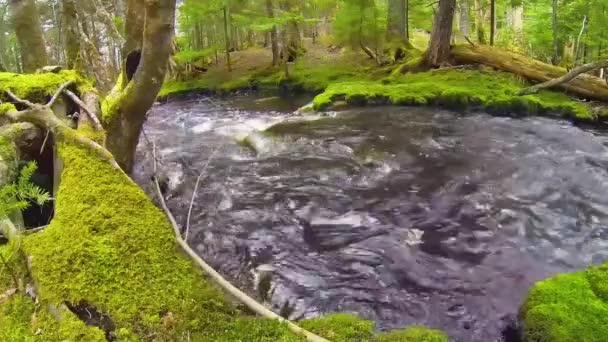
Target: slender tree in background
396, 28
464, 22
274, 43
26, 22
479, 22
555, 58
71, 34
492, 21
438, 51
148, 45
227, 38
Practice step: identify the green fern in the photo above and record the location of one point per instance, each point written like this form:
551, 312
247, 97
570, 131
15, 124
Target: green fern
20, 195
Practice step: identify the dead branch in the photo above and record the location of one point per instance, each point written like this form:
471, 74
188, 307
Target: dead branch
566, 78
469, 40
18, 100
251, 303
198, 180
90, 114
58, 93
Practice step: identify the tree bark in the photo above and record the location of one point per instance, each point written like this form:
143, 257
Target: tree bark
438, 51
144, 69
274, 43
26, 22
71, 35
585, 86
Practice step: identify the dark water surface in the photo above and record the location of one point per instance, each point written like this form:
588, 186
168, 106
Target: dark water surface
403, 215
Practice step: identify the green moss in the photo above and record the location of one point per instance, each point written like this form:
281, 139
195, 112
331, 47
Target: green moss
341, 327
6, 107
37, 87
568, 307
456, 89
413, 334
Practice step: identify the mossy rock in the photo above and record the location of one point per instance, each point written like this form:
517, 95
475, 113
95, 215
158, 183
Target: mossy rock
413, 334
568, 307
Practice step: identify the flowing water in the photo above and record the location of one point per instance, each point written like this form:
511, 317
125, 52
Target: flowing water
403, 215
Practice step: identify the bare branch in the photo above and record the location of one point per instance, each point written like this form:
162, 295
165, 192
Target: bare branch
198, 180
251, 303
19, 100
84, 107
58, 93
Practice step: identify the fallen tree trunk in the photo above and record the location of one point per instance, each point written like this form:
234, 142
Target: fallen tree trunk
585, 86
566, 78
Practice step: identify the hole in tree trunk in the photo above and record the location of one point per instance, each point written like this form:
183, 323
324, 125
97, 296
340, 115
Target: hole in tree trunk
36, 215
132, 63
91, 316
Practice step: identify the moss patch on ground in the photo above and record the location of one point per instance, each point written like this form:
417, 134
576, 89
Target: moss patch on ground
39, 87
318, 68
347, 328
493, 91
568, 307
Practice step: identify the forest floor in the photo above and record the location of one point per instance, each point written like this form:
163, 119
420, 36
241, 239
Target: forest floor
339, 76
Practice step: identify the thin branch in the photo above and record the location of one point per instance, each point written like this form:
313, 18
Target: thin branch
46, 137
19, 100
198, 180
81, 104
251, 303
58, 93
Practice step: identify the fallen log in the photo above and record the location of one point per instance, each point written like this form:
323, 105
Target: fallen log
566, 78
584, 85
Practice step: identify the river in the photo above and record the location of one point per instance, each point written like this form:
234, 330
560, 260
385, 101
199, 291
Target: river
402, 215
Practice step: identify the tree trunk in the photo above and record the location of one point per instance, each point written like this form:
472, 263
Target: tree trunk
585, 86
227, 39
438, 51
71, 35
479, 22
26, 22
555, 58
465, 22
492, 21
144, 69
396, 27
274, 43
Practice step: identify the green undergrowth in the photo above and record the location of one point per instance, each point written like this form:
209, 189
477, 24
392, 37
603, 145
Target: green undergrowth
568, 307
493, 91
38, 87
310, 73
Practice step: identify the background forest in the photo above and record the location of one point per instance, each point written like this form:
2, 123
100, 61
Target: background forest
87, 34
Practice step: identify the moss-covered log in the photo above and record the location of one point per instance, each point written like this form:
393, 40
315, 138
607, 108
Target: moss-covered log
585, 86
